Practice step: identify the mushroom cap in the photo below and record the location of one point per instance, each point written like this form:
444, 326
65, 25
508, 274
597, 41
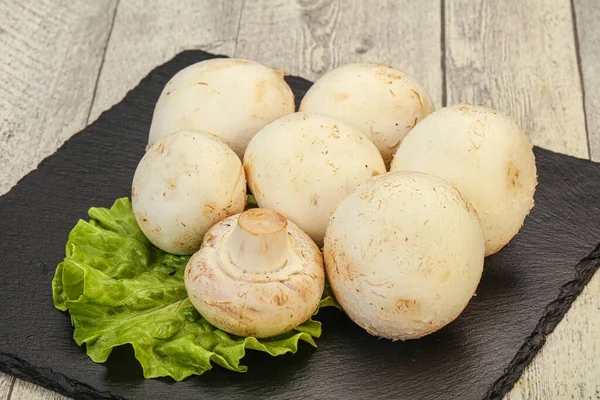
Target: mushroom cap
486, 156
204, 95
404, 254
383, 102
302, 165
245, 302
183, 185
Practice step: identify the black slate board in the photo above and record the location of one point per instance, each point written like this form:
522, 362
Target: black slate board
525, 290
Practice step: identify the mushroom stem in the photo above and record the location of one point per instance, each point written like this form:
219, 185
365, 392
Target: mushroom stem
259, 241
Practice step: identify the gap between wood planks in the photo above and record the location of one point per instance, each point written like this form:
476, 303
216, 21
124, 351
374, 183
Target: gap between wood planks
110, 31
327, 44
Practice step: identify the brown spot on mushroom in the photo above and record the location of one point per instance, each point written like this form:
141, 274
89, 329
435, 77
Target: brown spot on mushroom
332, 258
160, 148
202, 83
280, 299
133, 192
407, 305
208, 274
314, 200
337, 97
513, 174
392, 92
208, 209
334, 167
465, 109
335, 132
261, 91
387, 74
418, 97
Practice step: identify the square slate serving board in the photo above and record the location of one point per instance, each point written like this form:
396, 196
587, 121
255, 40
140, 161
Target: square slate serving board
525, 291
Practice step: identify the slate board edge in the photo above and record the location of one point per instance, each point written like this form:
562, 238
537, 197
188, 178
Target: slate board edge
51, 380
553, 314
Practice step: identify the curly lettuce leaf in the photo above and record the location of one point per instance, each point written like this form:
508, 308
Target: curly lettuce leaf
120, 289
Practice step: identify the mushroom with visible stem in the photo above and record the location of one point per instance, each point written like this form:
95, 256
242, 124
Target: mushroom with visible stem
380, 100
486, 156
257, 274
404, 254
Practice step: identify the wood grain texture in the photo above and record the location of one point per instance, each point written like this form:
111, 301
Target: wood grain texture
51, 53
587, 15
148, 33
28, 391
6, 382
519, 57
567, 367
309, 37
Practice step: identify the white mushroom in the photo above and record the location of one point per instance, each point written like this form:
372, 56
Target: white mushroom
257, 274
404, 254
486, 156
230, 98
183, 185
382, 101
302, 165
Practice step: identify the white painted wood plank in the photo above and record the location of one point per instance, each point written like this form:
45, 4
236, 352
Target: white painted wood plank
51, 54
28, 391
52, 51
291, 56
147, 33
519, 57
567, 367
308, 38
6, 382
587, 16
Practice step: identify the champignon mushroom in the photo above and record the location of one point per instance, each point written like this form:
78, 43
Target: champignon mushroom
302, 165
204, 95
184, 184
486, 156
257, 274
383, 102
404, 254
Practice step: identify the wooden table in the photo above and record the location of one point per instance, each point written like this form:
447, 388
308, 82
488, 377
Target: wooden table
63, 62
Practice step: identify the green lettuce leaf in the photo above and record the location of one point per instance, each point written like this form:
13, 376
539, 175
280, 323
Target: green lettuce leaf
120, 289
